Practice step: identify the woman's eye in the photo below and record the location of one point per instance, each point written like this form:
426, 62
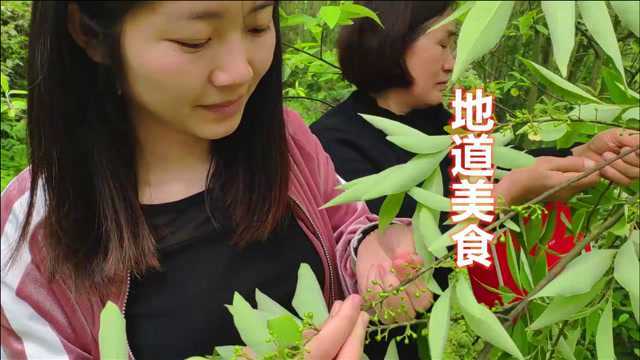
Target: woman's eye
259, 30
192, 45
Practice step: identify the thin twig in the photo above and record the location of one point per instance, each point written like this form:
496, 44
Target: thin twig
310, 54
308, 98
557, 339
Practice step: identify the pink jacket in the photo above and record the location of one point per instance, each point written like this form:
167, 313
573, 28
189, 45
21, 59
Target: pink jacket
41, 320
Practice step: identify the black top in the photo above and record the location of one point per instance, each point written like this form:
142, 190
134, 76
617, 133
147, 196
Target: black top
179, 312
359, 149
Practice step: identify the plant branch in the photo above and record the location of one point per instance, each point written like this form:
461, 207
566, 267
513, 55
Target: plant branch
555, 271
557, 339
308, 98
313, 56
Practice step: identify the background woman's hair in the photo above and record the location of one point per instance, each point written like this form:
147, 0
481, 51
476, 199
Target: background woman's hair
82, 150
373, 58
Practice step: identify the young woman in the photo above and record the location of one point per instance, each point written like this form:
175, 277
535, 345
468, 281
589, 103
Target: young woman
405, 83
165, 175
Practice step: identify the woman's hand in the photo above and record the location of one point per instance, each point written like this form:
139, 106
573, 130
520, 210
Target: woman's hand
607, 145
522, 185
383, 262
342, 336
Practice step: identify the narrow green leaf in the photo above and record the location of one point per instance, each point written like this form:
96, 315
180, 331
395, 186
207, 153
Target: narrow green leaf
112, 336
552, 130
561, 19
285, 330
617, 91
604, 336
463, 9
330, 15
405, 176
4, 80
439, 325
227, 352
391, 127
512, 261
251, 325
430, 199
389, 209
308, 297
627, 273
433, 183
421, 144
559, 85
427, 226
502, 138
439, 246
271, 307
580, 274
564, 349
480, 32
421, 233
510, 158
511, 225
563, 307
392, 351
527, 279
481, 320
596, 17
629, 14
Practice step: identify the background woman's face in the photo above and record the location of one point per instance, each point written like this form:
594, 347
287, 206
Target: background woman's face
180, 56
430, 61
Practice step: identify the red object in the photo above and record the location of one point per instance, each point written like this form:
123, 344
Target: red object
561, 242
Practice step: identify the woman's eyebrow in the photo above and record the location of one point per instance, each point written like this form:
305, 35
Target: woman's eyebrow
206, 15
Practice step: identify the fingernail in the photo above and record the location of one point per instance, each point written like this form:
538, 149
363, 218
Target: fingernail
589, 163
355, 298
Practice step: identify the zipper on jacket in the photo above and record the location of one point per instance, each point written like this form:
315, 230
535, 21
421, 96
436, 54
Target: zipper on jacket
124, 306
324, 249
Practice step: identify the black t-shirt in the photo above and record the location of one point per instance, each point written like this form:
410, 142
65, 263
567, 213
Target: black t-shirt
359, 149
179, 312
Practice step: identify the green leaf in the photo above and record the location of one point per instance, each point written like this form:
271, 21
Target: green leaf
563, 307
511, 225
421, 144
596, 17
528, 279
561, 18
392, 351
463, 9
285, 330
4, 80
512, 261
580, 274
389, 209
227, 352
251, 325
271, 307
617, 91
439, 325
552, 130
480, 32
439, 246
626, 270
433, 183
355, 10
502, 138
559, 85
510, 158
421, 233
596, 112
430, 199
308, 297
604, 336
112, 336
391, 127
427, 226
629, 14
330, 15
481, 320
565, 350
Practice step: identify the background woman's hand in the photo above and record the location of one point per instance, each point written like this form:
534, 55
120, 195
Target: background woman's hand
609, 144
384, 261
522, 185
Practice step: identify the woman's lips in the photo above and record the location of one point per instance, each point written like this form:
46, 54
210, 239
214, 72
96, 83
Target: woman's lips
224, 109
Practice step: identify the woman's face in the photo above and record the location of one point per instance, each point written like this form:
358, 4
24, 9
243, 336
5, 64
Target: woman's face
430, 61
191, 66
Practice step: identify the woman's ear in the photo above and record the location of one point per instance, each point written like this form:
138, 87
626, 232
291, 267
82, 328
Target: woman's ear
78, 31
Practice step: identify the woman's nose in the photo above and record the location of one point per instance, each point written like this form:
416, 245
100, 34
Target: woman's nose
234, 69
449, 62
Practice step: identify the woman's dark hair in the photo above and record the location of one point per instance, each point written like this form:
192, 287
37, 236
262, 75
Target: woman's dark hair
82, 151
373, 58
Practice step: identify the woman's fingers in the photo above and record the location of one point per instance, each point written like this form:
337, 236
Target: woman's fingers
620, 171
334, 333
353, 347
417, 292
